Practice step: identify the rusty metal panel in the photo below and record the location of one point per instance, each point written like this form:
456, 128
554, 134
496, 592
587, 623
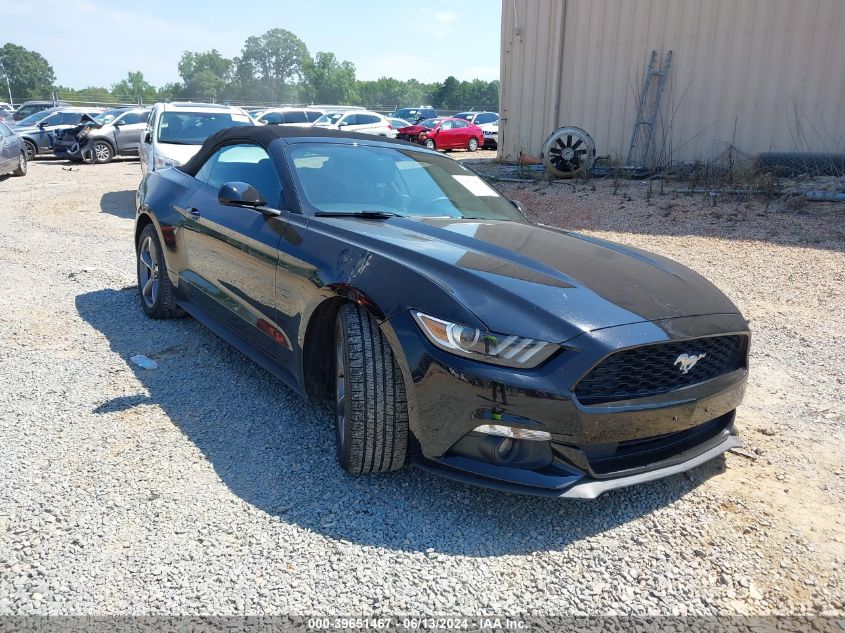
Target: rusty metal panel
759, 74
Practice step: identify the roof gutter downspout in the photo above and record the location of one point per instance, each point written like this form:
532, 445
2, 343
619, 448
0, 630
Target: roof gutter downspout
558, 66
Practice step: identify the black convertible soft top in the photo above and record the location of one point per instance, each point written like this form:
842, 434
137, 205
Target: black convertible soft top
265, 134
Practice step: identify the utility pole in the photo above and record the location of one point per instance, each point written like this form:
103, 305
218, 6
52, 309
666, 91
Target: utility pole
8, 85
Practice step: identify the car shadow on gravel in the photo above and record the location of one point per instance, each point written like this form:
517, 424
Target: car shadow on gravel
275, 450
119, 203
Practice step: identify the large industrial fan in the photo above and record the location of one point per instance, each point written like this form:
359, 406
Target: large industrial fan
569, 152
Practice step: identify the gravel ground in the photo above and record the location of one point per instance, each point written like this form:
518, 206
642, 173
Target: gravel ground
204, 486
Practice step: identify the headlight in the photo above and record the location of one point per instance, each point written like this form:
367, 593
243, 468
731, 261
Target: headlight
163, 161
499, 349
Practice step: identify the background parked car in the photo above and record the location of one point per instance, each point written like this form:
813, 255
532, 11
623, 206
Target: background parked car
12, 152
175, 131
300, 117
489, 124
444, 133
111, 133
415, 115
37, 129
398, 124
28, 108
362, 121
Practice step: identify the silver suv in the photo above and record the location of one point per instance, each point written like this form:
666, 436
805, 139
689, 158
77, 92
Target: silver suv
112, 133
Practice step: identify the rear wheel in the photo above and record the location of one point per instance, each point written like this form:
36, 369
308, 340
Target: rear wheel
154, 287
21, 169
371, 411
472, 145
30, 150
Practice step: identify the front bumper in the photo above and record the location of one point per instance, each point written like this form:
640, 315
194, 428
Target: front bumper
592, 449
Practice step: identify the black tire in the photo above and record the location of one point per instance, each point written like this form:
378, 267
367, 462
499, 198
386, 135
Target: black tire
30, 150
371, 409
22, 165
430, 144
158, 301
472, 144
102, 152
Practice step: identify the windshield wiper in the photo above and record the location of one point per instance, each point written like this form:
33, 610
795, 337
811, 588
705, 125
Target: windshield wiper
367, 215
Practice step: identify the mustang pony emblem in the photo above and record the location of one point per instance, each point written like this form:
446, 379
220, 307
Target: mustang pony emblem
687, 361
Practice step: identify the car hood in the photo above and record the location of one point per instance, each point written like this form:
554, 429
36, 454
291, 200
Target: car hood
414, 129
181, 153
545, 283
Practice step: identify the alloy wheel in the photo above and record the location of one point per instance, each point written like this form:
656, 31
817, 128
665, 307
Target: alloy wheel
102, 152
148, 272
30, 150
22, 165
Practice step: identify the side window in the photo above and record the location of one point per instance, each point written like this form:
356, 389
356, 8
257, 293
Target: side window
487, 117
447, 125
243, 163
312, 115
133, 118
53, 119
273, 118
4, 131
458, 124
351, 119
70, 118
295, 116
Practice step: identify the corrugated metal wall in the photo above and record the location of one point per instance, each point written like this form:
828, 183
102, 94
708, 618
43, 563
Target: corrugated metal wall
761, 74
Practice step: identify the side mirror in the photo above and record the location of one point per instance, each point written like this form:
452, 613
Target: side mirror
518, 206
42, 125
117, 123
148, 138
241, 194
342, 124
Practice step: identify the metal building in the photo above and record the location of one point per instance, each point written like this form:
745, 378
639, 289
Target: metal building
761, 75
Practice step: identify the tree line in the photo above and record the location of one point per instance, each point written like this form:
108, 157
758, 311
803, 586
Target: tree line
275, 67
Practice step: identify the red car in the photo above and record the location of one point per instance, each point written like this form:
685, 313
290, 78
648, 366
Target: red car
444, 133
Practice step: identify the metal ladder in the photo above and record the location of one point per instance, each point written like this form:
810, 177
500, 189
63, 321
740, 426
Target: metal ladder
644, 127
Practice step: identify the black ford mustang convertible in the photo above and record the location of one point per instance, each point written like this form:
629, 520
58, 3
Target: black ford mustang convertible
448, 329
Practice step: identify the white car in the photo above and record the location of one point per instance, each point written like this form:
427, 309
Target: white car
298, 117
175, 131
488, 122
362, 121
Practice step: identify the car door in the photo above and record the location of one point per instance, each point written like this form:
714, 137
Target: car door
128, 129
8, 159
446, 135
462, 133
232, 251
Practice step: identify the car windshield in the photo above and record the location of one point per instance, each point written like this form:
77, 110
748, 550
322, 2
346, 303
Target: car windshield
104, 118
407, 113
192, 128
430, 123
466, 116
33, 119
329, 119
339, 178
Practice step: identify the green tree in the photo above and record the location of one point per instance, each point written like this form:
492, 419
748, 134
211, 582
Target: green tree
133, 88
30, 76
205, 75
447, 94
271, 66
330, 81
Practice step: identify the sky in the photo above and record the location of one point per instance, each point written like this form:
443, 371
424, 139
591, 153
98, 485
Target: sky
96, 42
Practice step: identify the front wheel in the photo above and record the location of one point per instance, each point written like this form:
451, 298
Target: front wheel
30, 150
154, 287
21, 169
429, 143
472, 145
371, 410
103, 152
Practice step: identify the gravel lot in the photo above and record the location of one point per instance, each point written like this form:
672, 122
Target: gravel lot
206, 487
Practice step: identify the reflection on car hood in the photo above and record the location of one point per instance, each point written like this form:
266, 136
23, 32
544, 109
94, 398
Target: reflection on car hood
536, 281
181, 153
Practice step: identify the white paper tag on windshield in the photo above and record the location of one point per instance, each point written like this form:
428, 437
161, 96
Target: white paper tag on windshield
476, 186
240, 118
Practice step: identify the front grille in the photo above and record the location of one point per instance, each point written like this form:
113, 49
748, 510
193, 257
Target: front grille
610, 459
656, 369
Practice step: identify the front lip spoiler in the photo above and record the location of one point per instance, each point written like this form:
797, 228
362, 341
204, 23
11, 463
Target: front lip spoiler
587, 488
